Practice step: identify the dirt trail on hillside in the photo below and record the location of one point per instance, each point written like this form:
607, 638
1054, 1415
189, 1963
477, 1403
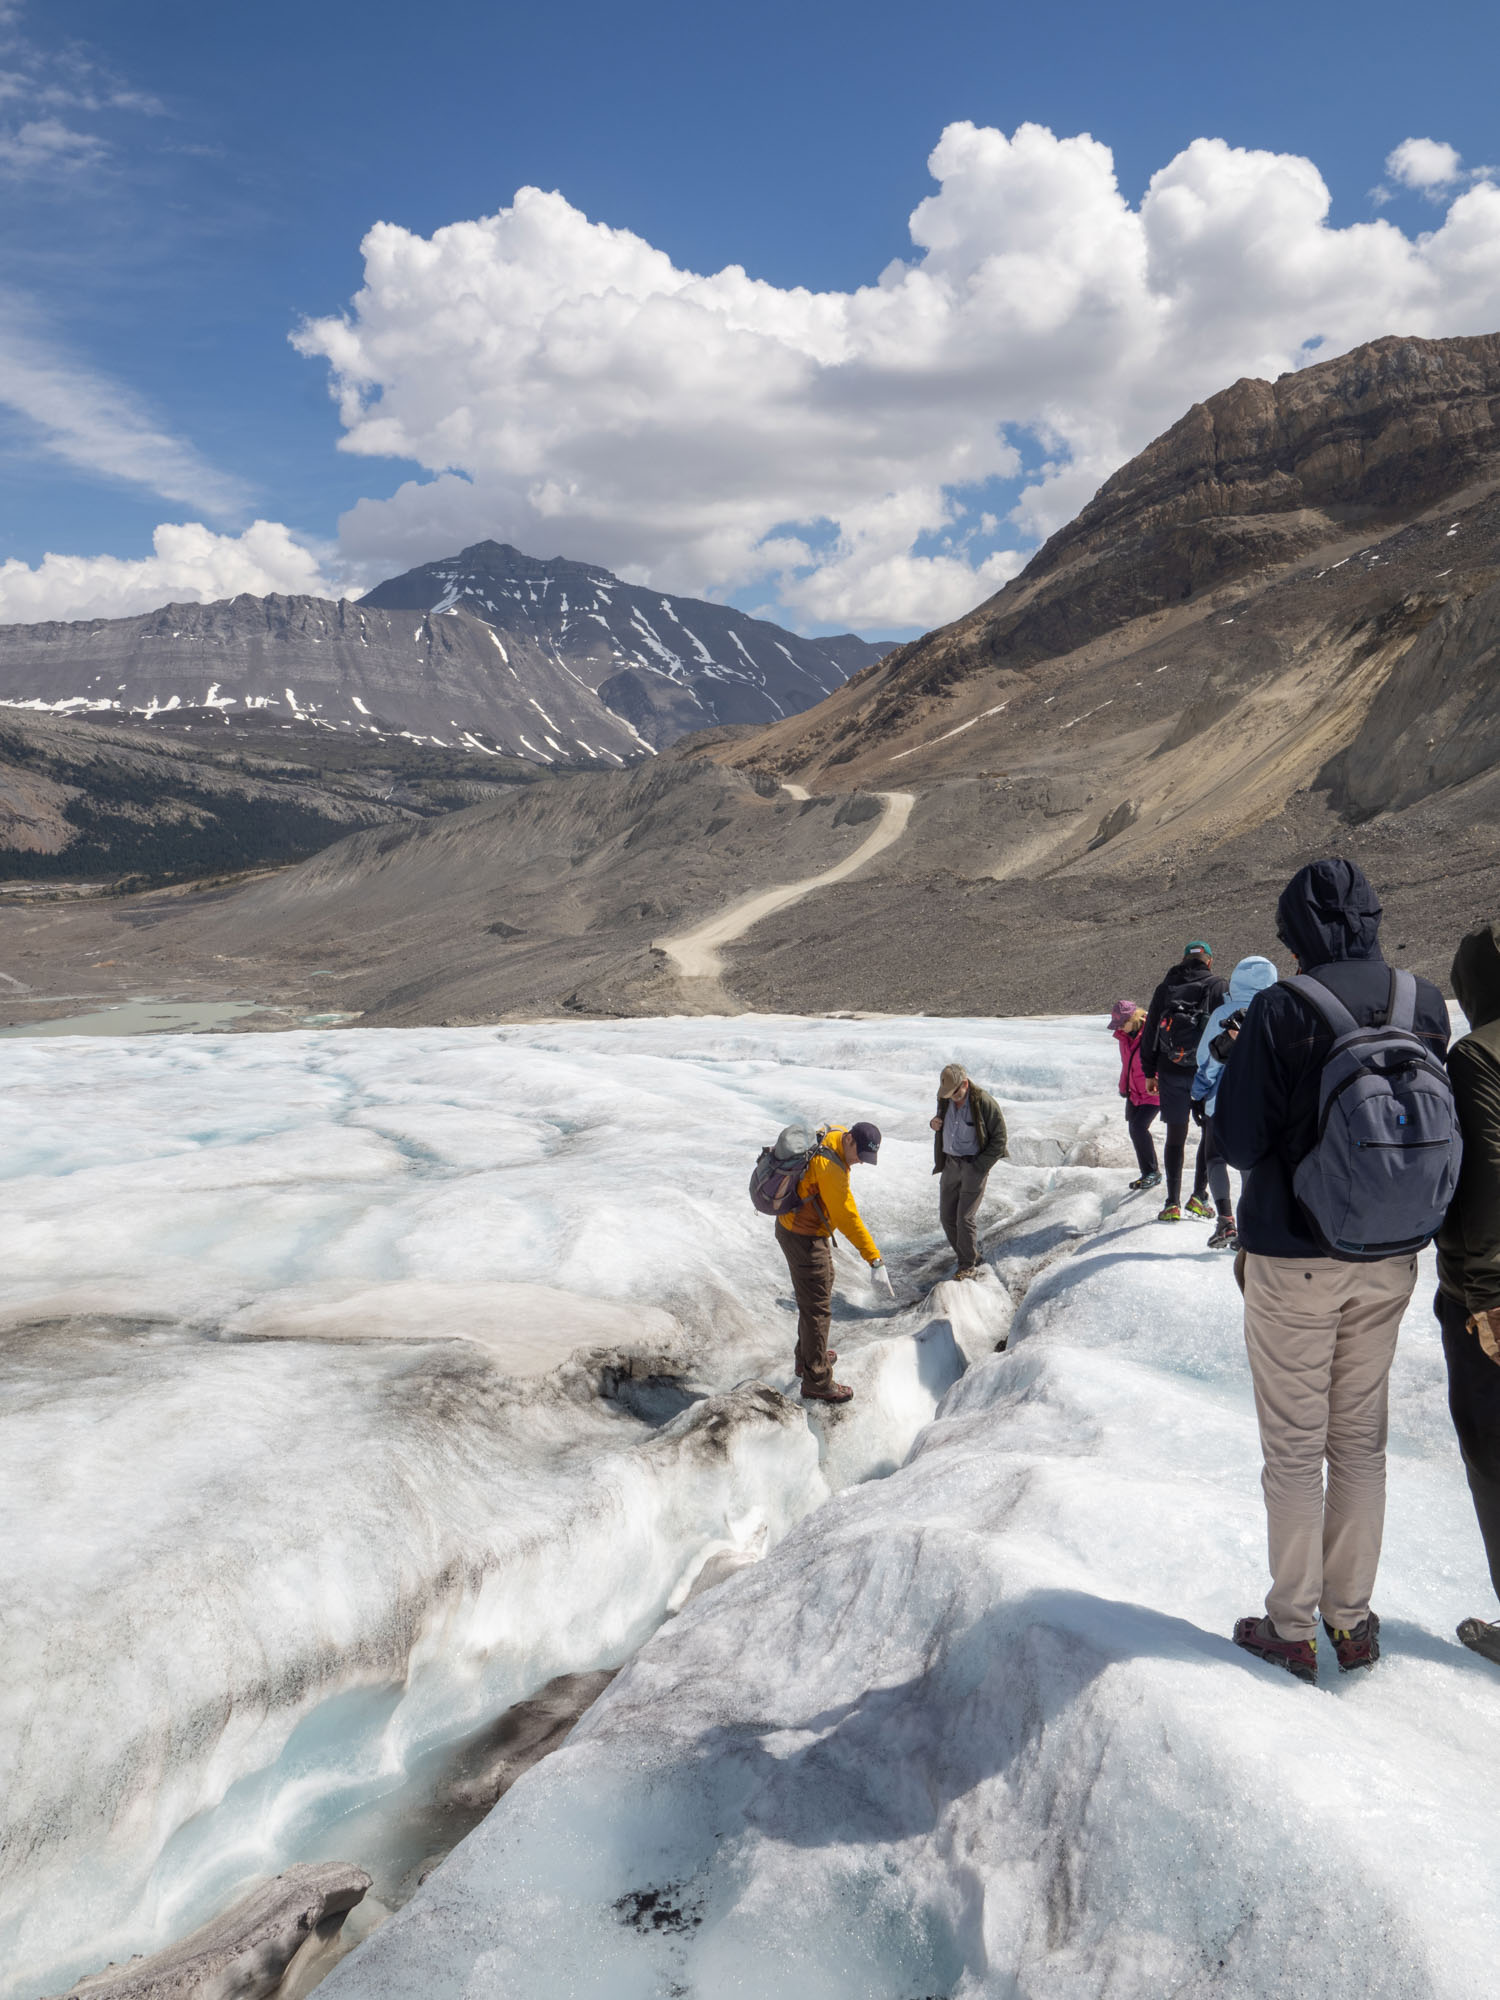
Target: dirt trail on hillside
696, 955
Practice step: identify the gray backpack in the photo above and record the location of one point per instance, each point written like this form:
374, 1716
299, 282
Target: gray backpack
1384, 1165
776, 1174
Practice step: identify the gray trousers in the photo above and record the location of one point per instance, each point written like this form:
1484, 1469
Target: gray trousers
1321, 1337
962, 1191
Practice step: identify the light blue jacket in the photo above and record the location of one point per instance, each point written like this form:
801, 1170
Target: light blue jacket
1249, 977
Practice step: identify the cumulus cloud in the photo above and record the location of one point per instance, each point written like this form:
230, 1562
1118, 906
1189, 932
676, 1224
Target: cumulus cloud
190, 565
1424, 164
570, 389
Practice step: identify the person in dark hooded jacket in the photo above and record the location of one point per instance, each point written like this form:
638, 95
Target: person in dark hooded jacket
1179, 1007
1320, 1332
1468, 1244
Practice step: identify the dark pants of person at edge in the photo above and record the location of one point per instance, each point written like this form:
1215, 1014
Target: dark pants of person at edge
1217, 1167
1138, 1121
810, 1261
1474, 1403
961, 1190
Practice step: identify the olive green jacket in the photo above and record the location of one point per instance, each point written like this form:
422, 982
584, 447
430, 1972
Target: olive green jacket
989, 1130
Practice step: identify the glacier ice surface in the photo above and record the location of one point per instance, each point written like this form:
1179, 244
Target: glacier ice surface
356, 1386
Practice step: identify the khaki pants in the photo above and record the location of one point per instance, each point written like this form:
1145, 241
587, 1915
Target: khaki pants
961, 1192
1321, 1337
810, 1261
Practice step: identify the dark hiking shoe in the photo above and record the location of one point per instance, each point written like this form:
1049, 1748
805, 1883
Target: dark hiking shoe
1358, 1645
1225, 1236
1260, 1637
836, 1392
966, 1271
1145, 1181
1171, 1213
833, 1355
1199, 1207
1481, 1638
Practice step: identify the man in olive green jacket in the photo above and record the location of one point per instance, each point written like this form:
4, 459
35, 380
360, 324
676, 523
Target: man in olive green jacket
1468, 1299
970, 1138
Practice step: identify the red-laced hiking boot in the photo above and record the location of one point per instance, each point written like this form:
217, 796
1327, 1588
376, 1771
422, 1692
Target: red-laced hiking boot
1357, 1647
1196, 1205
1260, 1637
833, 1355
1171, 1213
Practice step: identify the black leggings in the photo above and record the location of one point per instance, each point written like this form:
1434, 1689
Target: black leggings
1139, 1118
1173, 1154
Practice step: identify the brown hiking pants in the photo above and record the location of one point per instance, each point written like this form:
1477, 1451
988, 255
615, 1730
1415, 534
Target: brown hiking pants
1321, 1337
810, 1261
962, 1190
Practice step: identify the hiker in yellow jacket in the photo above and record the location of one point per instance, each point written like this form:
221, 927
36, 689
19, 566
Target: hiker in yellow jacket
806, 1239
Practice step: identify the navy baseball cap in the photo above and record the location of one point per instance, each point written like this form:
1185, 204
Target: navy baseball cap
866, 1139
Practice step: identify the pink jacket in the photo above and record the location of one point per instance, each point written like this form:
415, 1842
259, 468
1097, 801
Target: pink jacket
1134, 1082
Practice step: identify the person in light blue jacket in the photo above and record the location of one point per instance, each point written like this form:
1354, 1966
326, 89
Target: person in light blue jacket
1250, 976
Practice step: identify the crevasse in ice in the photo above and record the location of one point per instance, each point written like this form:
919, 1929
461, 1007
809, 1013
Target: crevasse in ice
305, 1468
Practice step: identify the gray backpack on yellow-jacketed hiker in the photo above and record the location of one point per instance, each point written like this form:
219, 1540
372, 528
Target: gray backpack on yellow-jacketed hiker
1383, 1168
776, 1174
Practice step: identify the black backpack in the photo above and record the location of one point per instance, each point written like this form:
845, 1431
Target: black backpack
1179, 1029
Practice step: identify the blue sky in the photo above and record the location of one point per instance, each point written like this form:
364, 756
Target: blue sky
183, 185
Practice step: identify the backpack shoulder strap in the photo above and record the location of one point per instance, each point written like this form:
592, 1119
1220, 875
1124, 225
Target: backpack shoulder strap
1328, 1005
1402, 1011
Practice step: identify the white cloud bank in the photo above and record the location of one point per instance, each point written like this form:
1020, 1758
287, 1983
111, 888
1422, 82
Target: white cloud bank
191, 564
573, 391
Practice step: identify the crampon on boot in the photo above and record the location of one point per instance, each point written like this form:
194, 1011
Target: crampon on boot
1171, 1213
1225, 1236
1150, 1180
1260, 1637
1481, 1638
1356, 1645
1196, 1205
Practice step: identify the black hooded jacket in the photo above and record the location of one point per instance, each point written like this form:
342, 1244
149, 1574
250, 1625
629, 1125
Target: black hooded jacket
1468, 1243
1266, 1114
1193, 981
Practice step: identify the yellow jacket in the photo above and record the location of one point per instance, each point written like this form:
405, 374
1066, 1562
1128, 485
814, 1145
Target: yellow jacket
828, 1202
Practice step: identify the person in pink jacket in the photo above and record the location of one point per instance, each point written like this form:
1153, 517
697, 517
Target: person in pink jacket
1138, 1090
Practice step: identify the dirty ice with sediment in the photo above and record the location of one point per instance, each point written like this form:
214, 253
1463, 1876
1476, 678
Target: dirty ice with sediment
356, 1386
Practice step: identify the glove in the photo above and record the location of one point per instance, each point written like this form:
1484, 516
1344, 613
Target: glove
1487, 1326
880, 1279
1196, 1110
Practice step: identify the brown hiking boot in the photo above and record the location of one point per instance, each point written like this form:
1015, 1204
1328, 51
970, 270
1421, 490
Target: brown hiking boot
1358, 1646
967, 1271
836, 1392
833, 1355
1260, 1637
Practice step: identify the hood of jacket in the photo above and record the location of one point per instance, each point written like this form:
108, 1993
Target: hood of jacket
1249, 977
1188, 975
1476, 976
1328, 911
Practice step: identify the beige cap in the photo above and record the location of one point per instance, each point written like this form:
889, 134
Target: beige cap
953, 1078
